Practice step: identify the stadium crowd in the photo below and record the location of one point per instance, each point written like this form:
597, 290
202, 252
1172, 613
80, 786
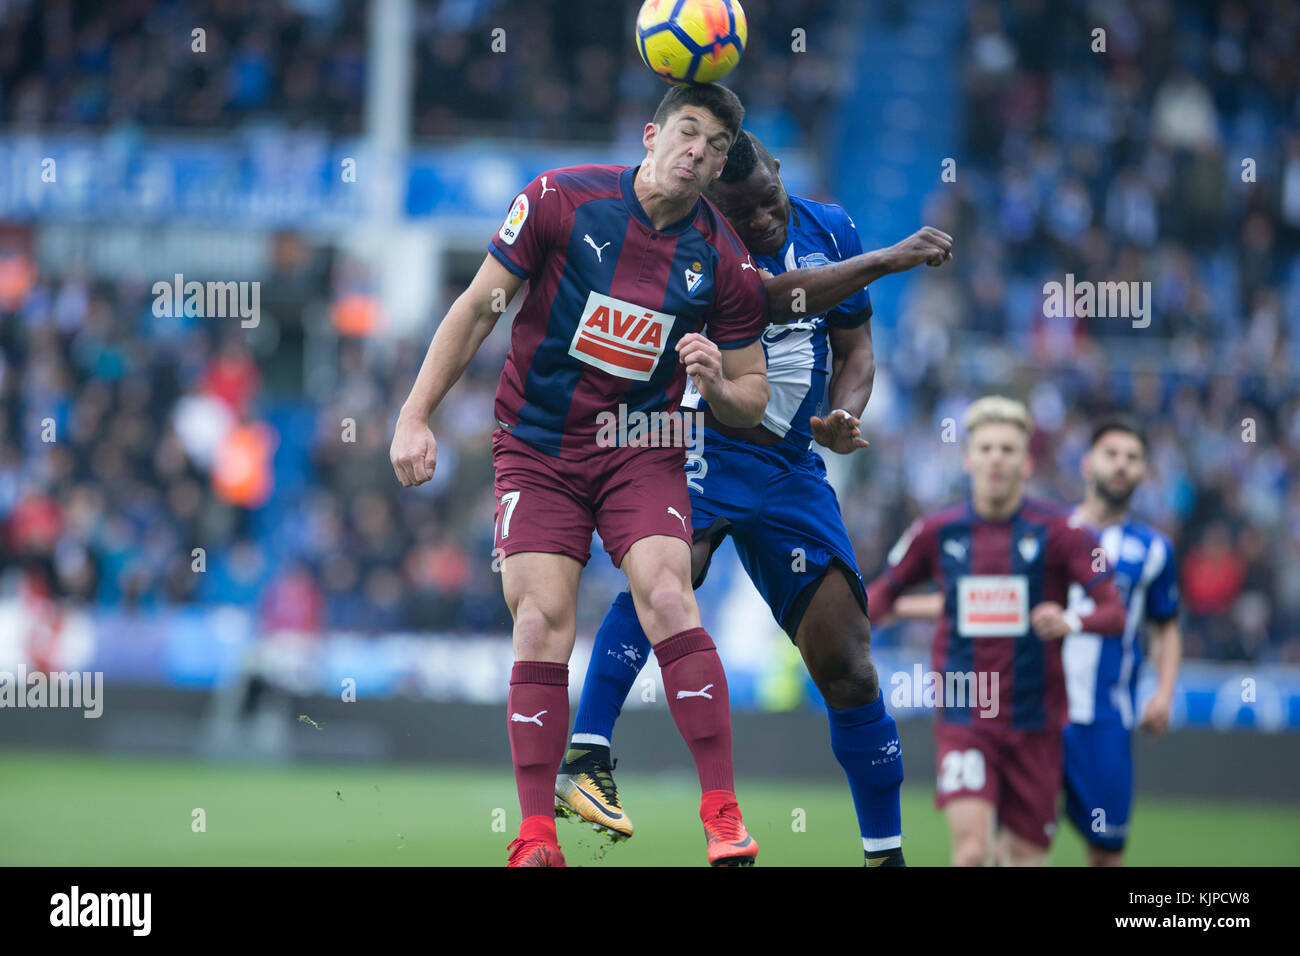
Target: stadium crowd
296, 64
127, 439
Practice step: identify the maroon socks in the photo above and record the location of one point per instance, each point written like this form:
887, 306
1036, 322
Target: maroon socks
538, 709
697, 696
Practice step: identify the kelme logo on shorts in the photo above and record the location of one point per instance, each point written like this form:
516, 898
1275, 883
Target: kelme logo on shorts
619, 337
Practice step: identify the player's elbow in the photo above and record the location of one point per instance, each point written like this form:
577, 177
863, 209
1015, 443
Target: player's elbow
745, 405
482, 311
755, 404
780, 301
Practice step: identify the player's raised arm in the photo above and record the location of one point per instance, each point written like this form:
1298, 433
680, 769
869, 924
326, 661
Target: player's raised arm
803, 292
468, 322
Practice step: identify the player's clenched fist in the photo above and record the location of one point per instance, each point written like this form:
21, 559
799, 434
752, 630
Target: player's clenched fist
927, 244
414, 452
703, 361
1048, 621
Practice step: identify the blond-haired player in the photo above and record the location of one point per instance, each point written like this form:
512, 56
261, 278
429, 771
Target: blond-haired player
1004, 565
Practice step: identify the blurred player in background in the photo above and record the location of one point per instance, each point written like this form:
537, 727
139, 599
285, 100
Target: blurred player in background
1102, 674
624, 266
1005, 566
767, 488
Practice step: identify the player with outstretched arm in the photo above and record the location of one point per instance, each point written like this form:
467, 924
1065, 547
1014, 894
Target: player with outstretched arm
611, 320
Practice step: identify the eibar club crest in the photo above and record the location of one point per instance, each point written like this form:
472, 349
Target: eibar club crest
1028, 547
693, 276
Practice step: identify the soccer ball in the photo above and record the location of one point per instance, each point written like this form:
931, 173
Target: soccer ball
691, 41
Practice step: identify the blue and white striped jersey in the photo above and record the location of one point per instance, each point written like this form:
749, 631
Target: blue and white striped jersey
1101, 675
798, 352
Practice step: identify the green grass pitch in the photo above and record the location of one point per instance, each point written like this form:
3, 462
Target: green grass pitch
82, 810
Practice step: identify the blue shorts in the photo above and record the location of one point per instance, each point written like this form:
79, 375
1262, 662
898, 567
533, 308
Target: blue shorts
1099, 781
782, 515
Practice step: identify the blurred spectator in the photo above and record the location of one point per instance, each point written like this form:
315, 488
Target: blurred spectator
1213, 573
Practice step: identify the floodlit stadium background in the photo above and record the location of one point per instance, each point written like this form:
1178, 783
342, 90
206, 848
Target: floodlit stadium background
353, 159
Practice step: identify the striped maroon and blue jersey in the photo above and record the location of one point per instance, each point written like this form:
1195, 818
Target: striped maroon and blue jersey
991, 575
608, 298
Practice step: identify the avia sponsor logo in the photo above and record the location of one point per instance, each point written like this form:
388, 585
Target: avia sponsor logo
82, 690
992, 605
624, 429
620, 338
951, 689
1104, 300
75, 908
208, 300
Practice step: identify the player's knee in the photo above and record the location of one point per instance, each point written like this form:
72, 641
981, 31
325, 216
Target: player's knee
971, 849
539, 629
845, 673
671, 608
973, 855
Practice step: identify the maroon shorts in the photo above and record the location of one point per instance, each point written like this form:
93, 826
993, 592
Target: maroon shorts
552, 504
1018, 771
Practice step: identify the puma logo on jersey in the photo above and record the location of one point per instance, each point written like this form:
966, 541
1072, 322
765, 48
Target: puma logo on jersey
702, 692
546, 189
956, 549
535, 719
678, 515
592, 242
747, 265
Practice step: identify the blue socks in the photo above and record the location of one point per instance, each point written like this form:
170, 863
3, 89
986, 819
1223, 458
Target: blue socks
864, 739
865, 742
619, 653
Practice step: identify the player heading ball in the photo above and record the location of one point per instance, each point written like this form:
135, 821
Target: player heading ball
635, 282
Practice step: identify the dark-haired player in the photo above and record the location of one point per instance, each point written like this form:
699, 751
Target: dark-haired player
610, 321
1101, 674
1005, 565
766, 488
